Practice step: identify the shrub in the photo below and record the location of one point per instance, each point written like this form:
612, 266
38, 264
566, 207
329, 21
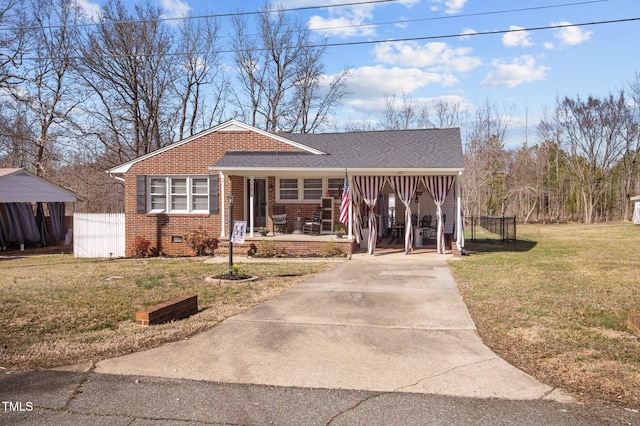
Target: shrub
331, 249
268, 248
201, 243
142, 247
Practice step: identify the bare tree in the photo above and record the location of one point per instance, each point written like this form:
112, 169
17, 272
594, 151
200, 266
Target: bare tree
486, 162
12, 40
84, 175
553, 175
128, 68
524, 183
15, 134
443, 115
45, 96
594, 136
399, 114
366, 124
200, 69
250, 74
630, 161
316, 102
281, 73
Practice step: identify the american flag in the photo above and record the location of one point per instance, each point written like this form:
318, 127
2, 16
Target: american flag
344, 204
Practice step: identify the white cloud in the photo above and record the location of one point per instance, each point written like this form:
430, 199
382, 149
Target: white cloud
91, 10
438, 56
467, 33
402, 25
371, 83
346, 22
451, 6
520, 70
570, 36
175, 8
516, 37
408, 3
340, 27
454, 6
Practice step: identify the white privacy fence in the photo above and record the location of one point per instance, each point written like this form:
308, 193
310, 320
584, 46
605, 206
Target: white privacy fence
98, 235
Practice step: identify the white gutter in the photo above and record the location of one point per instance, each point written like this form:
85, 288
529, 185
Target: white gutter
115, 177
352, 171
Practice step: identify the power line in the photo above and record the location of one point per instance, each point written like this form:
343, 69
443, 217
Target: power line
480, 33
465, 15
367, 42
396, 40
220, 15
302, 8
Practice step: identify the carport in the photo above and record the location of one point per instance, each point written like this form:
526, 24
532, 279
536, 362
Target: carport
32, 209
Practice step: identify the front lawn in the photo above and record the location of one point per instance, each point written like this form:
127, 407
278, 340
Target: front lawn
555, 305
59, 310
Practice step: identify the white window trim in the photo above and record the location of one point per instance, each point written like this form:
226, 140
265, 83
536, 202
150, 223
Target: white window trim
301, 199
168, 195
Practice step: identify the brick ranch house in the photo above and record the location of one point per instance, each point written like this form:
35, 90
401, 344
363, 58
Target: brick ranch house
396, 182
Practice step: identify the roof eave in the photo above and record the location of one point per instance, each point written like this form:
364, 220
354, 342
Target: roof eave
351, 171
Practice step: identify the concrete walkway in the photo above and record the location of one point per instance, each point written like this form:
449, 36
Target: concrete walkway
388, 323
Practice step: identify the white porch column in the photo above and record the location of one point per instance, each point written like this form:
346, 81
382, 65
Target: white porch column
459, 224
223, 209
251, 184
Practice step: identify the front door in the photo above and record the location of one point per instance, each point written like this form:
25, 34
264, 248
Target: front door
259, 202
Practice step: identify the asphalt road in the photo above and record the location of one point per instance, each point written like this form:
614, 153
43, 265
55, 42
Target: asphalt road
88, 398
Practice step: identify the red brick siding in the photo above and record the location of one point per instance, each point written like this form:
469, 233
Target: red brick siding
191, 158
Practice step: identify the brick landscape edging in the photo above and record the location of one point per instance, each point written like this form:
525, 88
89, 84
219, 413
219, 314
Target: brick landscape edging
175, 309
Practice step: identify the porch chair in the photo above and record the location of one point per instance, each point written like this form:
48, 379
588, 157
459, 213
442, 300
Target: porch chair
279, 219
312, 226
425, 222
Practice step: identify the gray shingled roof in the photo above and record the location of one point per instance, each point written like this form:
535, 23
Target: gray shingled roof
392, 149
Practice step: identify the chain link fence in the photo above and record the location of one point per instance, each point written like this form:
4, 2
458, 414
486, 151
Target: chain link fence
501, 228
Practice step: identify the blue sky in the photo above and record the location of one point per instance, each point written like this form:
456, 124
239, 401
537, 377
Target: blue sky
522, 73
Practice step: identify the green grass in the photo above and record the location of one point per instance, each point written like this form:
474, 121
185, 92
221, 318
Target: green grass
58, 310
555, 304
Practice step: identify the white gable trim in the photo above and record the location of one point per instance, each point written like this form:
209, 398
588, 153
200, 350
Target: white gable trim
228, 126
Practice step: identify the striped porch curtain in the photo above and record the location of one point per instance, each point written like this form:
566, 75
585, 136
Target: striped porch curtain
438, 187
405, 187
356, 202
370, 187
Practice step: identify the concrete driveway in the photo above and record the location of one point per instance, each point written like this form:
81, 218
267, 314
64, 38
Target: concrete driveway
387, 323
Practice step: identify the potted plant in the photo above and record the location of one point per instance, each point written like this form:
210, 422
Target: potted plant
339, 230
298, 215
263, 231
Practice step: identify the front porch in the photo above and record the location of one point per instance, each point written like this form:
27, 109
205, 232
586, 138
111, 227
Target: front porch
305, 245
